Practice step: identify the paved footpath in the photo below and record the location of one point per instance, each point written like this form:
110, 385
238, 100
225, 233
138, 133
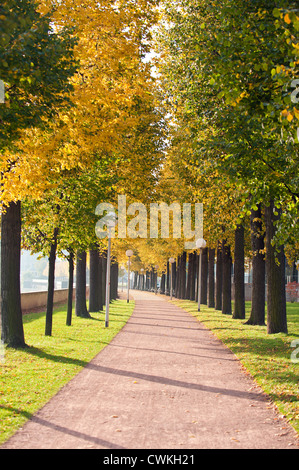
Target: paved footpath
164, 382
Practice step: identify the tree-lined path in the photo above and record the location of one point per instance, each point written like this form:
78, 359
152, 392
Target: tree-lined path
164, 382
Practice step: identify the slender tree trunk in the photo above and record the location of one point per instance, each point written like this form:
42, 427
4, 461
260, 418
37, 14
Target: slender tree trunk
162, 286
219, 269
294, 273
226, 279
183, 275
167, 279
114, 281
275, 266
100, 287
51, 284
70, 289
196, 276
104, 274
11, 312
81, 308
193, 277
174, 276
258, 291
204, 277
189, 275
211, 293
191, 271
239, 305
94, 282
177, 278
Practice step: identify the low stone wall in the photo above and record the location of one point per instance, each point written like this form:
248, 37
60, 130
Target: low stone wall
38, 300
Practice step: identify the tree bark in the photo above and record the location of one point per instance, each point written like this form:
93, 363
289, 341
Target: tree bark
239, 284
183, 275
226, 279
189, 276
162, 285
70, 289
11, 312
114, 281
196, 276
258, 291
177, 279
51, 284
211, 285
219, 269
193, 277
167, 279
104, 274
81, 308
95, 291
204, 277
275, 268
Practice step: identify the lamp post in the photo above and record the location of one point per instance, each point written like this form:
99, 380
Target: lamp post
129, 253
200, 243
110, 223
171, 261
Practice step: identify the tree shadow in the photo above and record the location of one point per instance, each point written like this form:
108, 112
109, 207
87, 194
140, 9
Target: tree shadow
62, 429
55, 358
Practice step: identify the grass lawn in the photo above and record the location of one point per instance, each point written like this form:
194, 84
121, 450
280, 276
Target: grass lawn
30, 377
267, 357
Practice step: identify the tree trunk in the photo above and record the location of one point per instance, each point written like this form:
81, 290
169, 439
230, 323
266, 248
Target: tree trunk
294, 275
70, 290
211, 293
258, 291
104, 274
204, 277
81, 309
95, 297
193, 277
196, 276
226, 279
177, 278
11, 312
162, 284
114, 280
183, 275
275, 267
239, 285
51, 284
219, 269
167, 279
189, 275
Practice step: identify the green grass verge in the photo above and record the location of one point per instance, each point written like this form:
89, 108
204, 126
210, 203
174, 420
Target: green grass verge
31, 376
266, 357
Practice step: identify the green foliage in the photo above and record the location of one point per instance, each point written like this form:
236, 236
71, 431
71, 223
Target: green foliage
36, 63
227, 69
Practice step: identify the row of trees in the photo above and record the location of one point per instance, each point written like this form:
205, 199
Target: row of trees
84, 121
80, 118
229, 70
